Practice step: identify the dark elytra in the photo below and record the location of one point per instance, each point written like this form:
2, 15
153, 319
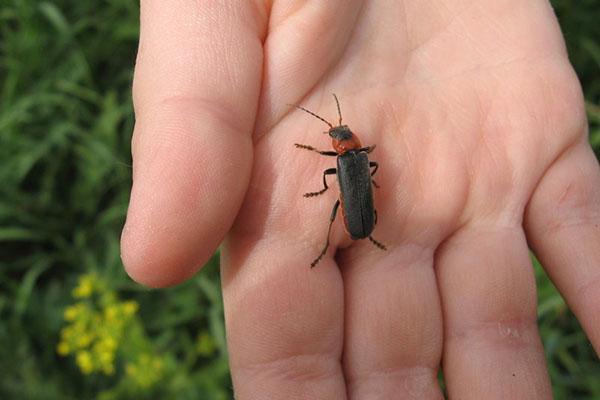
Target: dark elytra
356, 193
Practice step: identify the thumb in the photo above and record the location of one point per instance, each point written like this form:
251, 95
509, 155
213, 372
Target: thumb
196, 89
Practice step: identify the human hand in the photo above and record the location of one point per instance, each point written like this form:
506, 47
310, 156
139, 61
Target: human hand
481, 138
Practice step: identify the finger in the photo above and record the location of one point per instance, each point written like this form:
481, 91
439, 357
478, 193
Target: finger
563, 227
393, 328
492, 348
284, 320
196, 90
302, 45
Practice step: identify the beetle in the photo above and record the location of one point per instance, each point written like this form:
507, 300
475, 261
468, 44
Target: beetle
355, 180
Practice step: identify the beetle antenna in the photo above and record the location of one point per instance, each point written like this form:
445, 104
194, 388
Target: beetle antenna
338, 107
314, 115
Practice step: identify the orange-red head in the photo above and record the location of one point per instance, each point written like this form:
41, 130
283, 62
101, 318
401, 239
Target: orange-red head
342, 139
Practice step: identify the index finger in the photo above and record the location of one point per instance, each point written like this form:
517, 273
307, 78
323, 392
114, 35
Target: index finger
196, 88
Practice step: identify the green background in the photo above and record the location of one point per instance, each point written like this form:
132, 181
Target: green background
65, 174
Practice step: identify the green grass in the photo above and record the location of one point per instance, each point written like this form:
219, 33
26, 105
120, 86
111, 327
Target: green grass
65, 127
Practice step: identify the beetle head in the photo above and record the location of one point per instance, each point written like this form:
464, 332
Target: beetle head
340, 133
343, 140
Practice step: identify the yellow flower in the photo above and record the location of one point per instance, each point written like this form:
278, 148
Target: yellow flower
84, 361
85, 287
63, 349
95, 329
84, 340
130, 307
105, 343
67, 333
106, 358
71, 313
146, 371
111, 313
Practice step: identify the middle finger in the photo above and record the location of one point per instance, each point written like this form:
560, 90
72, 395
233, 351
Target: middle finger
393, 324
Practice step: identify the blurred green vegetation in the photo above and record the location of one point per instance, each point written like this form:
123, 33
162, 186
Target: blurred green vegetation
65, 126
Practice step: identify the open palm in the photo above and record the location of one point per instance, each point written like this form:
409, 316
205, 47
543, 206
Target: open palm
480, 133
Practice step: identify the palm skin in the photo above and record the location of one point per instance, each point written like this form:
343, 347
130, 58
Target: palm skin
477, 117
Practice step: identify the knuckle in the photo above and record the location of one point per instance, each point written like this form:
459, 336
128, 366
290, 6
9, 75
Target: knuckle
295, 368
498, 333
419, 382
567, 196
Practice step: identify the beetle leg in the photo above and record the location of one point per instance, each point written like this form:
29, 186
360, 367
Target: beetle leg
376, 165
329, 171
375, 242
323, 153
373, 164
331, 219
368, 149
378, 244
